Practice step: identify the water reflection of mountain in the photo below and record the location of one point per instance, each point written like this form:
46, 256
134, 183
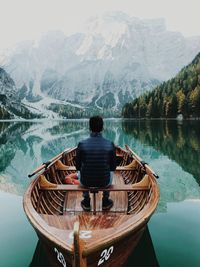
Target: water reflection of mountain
66, 127
10, 139
64, 134
25, 145
178, 140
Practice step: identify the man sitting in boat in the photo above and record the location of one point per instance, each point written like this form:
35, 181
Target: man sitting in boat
96, 161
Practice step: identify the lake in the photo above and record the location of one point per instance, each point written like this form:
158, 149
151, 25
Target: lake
171, 148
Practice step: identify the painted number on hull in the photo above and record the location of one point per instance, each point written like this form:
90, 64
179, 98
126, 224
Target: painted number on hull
105, 255
83, 234
60, 257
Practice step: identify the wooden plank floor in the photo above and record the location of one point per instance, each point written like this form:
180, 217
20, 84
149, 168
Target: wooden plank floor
87, 221
73, 199
103, 219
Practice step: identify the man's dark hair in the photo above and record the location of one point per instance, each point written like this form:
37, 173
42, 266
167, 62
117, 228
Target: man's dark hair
96, 124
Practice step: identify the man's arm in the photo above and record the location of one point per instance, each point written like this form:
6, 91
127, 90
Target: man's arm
113, 159
78, 158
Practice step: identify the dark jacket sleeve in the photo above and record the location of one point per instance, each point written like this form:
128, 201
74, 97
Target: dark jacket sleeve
78, 158
113, 158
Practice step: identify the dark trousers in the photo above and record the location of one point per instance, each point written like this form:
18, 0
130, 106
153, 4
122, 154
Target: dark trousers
106, 194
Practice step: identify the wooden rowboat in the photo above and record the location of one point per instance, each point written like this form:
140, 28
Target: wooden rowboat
73, 237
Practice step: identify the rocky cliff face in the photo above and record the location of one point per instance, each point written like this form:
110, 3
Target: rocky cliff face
10, 104
114, 60
7, 85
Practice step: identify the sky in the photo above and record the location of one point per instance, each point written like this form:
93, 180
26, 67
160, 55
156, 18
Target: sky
28, 19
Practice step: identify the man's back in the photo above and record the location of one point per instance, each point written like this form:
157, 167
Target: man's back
95, 159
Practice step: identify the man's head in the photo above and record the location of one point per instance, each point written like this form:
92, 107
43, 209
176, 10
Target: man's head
96, 124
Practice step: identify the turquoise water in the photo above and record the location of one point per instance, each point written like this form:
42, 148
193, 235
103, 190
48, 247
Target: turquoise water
172, 149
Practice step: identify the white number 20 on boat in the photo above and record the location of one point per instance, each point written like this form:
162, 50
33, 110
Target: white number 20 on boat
60, 257
105, 255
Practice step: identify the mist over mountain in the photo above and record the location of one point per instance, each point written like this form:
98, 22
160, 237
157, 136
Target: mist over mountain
116, 59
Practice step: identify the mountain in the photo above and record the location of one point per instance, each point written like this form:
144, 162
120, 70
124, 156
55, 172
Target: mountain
176, 98
114, 60
10, 104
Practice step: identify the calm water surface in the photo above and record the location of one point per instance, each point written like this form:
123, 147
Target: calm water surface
171, 148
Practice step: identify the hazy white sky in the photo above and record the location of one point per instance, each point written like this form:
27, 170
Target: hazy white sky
28, 19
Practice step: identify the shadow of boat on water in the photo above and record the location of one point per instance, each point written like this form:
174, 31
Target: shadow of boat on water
39, 257
143, 256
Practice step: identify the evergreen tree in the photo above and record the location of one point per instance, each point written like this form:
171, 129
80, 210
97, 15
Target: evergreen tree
181, 102
194, 102
179, 95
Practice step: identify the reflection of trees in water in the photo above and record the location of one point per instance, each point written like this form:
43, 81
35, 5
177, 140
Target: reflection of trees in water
11, 141
113, 131
179, 141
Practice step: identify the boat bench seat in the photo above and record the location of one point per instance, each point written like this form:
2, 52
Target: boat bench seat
66, 187
144, 184
118, 168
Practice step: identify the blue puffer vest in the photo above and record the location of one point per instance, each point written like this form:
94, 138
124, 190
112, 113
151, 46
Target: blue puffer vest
95, 159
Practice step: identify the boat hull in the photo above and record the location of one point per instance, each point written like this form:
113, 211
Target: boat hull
115, 254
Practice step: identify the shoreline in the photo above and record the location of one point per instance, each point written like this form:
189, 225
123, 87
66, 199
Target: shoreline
166, 119
48, 119
106, 119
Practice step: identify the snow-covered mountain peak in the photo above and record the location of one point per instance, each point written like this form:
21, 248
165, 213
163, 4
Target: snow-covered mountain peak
157, 25
105, 32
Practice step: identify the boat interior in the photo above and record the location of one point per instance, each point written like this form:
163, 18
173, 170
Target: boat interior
61, 209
